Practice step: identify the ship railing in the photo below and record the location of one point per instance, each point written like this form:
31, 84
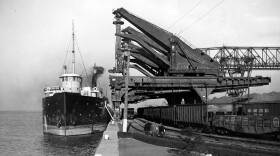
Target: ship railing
50, 91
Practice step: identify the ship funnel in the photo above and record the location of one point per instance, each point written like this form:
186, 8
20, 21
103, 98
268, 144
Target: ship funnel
97, 72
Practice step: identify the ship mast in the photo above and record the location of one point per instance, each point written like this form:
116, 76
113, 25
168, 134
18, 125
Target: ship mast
73, 50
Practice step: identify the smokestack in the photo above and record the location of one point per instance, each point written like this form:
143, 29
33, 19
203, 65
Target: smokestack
97, 72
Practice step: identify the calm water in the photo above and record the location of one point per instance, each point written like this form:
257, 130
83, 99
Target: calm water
21, 134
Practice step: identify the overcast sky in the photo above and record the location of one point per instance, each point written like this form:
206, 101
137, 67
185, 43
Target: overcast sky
35, 34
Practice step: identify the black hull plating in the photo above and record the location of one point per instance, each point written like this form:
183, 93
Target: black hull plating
70, 111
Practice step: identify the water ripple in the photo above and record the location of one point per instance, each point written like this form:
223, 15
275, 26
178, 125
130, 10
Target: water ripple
21, 133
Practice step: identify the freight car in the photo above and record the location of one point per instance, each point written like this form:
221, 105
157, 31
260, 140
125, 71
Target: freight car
250, 118
253, 118
176, 115
130, 113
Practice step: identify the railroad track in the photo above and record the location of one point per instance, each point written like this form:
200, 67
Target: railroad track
213, 139
140, 128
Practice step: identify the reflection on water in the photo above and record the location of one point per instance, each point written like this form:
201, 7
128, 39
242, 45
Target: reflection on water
21, 133
70, 145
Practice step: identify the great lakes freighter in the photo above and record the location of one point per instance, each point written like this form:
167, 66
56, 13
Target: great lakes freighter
71, 109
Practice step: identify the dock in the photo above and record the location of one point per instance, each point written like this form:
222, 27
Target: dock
111, 145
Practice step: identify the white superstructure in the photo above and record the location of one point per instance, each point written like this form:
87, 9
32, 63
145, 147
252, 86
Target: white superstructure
72, 82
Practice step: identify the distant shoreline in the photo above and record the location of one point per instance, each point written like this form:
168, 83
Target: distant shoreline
34, 111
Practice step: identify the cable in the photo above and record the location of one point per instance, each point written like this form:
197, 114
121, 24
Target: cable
66, 56
201, 17
82, 59
185, 14
65, 59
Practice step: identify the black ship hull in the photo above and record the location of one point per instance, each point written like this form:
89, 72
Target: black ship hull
72, 114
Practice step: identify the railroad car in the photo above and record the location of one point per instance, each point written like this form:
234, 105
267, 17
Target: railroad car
130, 113
176, 115
253, 118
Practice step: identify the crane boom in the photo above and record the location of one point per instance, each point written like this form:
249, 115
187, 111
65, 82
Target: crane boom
181, 56
174, 69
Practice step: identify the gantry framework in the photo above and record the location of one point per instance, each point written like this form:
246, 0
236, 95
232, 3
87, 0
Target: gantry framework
174, 70
262, 58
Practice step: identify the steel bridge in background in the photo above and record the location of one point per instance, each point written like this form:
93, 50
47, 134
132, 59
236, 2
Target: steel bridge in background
260, 58
240, 61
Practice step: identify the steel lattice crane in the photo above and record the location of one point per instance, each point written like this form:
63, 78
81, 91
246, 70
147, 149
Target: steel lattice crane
240, 61
174, 69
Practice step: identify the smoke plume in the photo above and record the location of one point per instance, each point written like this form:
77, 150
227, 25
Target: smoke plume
97, 72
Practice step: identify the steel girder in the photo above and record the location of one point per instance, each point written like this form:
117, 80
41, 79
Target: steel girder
180, 56
155, 87
264, 58
177, 68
